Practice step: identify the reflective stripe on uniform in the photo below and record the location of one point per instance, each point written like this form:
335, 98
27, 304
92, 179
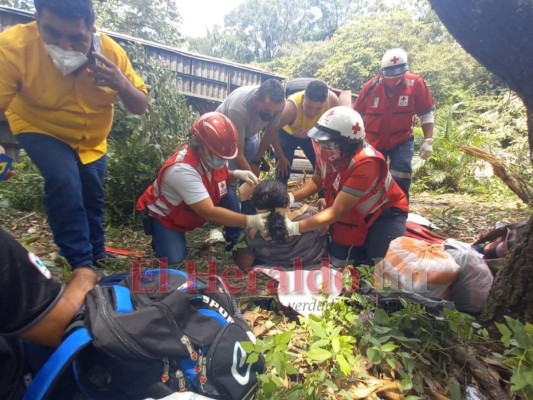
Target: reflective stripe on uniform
401, 175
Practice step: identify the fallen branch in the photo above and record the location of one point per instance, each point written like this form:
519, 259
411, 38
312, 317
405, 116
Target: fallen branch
491, 386
520, 187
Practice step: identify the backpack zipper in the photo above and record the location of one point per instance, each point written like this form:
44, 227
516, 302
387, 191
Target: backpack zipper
166, 366
188, 345
181, 380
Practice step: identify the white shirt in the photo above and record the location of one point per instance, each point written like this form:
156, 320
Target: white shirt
181, 182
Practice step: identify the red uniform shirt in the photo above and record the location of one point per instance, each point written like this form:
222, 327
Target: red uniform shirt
367, 177
389, 120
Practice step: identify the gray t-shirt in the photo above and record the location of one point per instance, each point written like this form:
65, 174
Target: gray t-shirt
239, 108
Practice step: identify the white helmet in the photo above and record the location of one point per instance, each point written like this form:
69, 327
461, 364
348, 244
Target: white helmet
338, 123
394, 63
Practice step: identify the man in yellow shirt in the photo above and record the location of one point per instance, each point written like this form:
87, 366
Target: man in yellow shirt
301, 112
59, 80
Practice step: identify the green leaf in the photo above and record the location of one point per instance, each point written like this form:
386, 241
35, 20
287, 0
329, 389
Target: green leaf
521, 337
520, 380
336, 344
373, 355
318, 329
343, 363
392, 362
319, 355
291, 369
248, 346
455, 391
388, 347
252, 358
320, 343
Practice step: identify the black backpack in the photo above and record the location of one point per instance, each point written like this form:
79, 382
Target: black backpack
152, 334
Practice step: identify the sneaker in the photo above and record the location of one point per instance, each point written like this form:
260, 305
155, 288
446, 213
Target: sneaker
215, 236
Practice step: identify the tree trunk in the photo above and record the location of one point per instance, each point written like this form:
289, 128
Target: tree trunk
497, 34
511, 293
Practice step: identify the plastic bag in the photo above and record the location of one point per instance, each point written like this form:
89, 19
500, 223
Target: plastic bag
470, 290
412, 265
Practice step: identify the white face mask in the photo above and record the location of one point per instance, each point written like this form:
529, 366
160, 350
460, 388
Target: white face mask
216, 162
66, 61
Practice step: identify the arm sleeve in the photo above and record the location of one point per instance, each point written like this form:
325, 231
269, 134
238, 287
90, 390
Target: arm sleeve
27, 290
183, 183
424, 99
10, 76
363, 179
239, 120
359, 102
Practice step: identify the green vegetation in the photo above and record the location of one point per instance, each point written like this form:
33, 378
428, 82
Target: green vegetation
355, 349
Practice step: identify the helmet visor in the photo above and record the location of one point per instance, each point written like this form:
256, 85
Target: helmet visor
392, 72
319, 132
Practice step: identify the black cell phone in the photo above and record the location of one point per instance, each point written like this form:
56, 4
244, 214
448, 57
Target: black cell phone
96, 47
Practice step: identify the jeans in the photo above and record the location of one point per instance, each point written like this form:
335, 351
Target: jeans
231, 200
289, 143
389, 225
73, 197
400, 159
168, 244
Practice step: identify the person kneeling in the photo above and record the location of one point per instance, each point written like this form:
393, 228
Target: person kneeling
365, 207
191, 184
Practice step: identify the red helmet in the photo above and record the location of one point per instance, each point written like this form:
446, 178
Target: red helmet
217, 133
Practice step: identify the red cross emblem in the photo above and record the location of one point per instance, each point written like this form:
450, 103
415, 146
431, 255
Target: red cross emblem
329, 114
394, 59
356, 128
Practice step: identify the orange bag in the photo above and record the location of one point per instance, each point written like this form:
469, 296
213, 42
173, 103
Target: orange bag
412, 265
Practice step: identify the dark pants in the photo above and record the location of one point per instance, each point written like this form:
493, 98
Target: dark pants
400, 160
389, 225
73, 197
289, 144
231, 200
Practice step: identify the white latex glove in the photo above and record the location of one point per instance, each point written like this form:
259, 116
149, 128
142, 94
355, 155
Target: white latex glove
257, 221
426, 149
245, 175
293, 227
291, 198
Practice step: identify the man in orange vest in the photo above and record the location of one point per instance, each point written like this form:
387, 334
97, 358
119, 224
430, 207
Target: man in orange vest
365, 208
389, 103
190, 186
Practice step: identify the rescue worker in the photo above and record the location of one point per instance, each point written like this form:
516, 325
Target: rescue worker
389, 103
365, 208
190, 186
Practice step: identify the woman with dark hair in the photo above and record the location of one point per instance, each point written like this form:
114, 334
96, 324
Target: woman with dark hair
273, 246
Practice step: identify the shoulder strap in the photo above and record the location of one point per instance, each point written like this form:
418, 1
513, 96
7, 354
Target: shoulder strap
53, 368
370, 90
67, 351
